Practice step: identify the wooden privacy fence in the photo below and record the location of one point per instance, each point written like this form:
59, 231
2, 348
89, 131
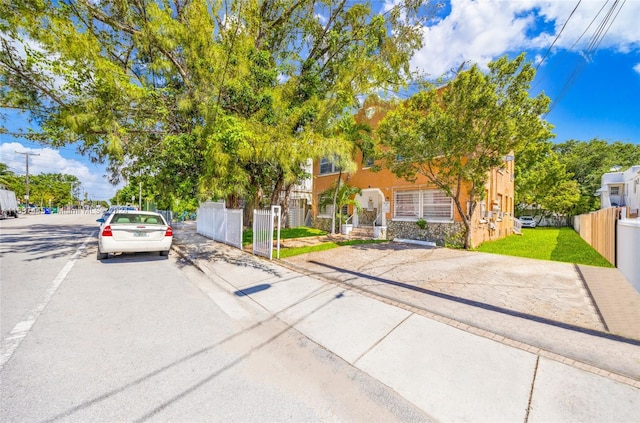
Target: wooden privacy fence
598, 229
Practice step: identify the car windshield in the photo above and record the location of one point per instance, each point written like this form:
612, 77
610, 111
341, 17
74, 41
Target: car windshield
137, 218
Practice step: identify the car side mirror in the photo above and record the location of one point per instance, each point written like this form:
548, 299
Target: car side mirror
101, 220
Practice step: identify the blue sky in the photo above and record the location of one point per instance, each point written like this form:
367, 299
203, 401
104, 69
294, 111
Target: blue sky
595, 91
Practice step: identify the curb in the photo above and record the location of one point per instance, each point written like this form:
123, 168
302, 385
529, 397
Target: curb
182, 251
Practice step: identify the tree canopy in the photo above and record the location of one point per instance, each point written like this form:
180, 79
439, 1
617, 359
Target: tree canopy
201, 98
45, 189
543, 186
587, 161
455, 135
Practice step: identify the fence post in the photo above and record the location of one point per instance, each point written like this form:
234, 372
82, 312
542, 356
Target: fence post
273, 210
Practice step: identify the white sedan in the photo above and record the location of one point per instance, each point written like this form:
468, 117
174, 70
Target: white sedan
528, 222
129, 231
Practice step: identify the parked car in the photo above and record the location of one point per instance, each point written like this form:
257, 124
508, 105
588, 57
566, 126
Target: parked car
131, 231
528, 221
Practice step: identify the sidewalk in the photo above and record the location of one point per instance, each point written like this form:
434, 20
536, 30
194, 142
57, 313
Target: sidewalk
451, 369
617, 301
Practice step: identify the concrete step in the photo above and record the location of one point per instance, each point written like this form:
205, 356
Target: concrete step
362, 232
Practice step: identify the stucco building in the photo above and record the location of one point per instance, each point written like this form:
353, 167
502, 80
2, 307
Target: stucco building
621, 188
392, 207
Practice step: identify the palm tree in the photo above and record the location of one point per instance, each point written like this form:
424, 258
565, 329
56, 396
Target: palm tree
343, 195
359, 136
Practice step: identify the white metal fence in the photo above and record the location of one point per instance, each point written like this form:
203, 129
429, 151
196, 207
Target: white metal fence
220, 224
264, 224
296, 217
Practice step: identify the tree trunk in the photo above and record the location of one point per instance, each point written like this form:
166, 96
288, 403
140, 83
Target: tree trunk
284, 204
466, 221
335, 198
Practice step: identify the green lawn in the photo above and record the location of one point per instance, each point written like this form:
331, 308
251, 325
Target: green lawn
556, 244
302, 232
286, 233
290, 252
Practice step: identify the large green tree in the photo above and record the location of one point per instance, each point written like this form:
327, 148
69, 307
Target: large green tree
543, 183
206, 98
588, 161
456, 134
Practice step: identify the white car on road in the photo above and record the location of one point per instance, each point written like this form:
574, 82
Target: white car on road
129, 231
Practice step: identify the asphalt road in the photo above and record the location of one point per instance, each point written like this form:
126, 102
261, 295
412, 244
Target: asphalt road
149, 338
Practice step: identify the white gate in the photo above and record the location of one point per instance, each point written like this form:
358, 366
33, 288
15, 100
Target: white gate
263, 228
220, 224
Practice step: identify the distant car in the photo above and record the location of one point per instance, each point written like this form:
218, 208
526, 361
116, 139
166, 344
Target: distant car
131, 231
111, 210
527, 222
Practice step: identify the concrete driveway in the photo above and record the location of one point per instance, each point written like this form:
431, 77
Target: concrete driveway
540, 303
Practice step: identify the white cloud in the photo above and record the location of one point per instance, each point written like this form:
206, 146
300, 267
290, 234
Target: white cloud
637, 68
482, 30
49, 160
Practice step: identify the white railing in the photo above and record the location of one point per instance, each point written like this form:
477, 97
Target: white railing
296, 217
220, 224
517, 226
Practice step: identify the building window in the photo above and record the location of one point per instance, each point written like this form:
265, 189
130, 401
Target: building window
436, 205
407, 204
327, 166
431, 205
367, 161
614, 190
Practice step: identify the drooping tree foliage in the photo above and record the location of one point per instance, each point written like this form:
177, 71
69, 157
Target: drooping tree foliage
455, 135
587, 161
201, 98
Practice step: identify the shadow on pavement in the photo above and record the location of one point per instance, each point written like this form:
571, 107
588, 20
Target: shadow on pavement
207, 378
482, 305
44, 241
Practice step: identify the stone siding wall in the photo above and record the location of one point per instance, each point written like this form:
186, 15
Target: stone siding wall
322, 223
441, 233
366, 217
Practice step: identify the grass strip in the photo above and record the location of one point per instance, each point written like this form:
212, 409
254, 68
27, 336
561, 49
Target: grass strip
294, 251
286, 233
555, 244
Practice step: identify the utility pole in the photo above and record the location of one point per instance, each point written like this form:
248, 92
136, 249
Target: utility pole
26, 197
140, 198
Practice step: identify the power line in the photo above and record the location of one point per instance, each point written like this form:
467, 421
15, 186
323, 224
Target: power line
558, 36
589, 26
594, 43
